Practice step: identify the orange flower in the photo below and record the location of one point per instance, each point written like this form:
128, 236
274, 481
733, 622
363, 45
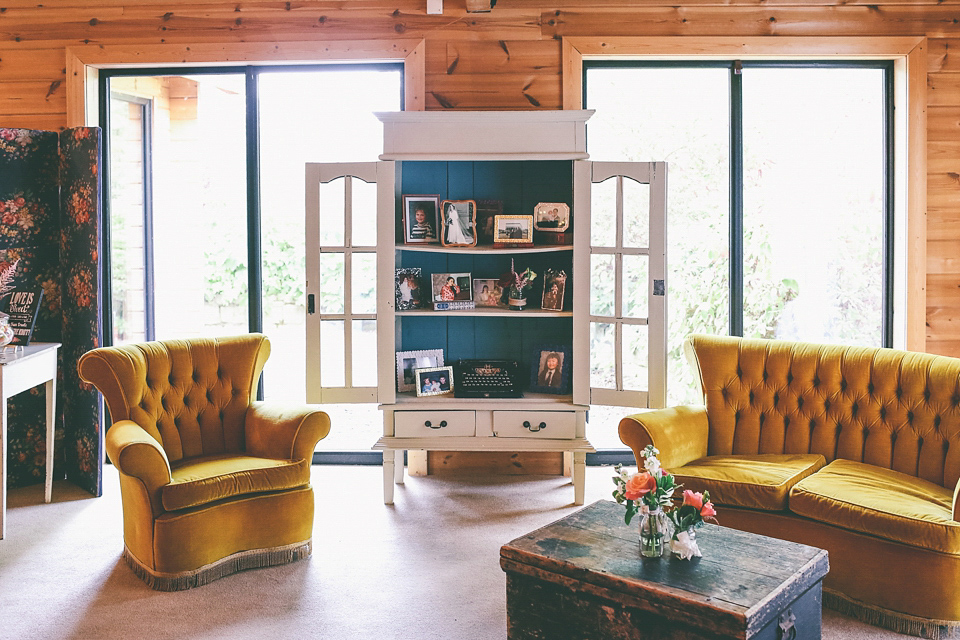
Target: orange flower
639, 485
695, 500
708, 511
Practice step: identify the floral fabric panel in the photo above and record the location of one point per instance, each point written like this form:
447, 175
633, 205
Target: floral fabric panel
38, 183
80, 269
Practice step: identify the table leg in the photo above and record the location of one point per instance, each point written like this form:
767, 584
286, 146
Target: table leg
398, 472
389, 458
51, 392
579, 476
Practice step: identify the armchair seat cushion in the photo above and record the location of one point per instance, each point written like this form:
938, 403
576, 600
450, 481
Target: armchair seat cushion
761, 481
206, 479
881, 502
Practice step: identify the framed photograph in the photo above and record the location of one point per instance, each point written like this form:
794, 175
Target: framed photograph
551, 216
458, 223
554, 288
434, 381
487, 292
409, 361
420, 219
408, 289
451, 286
487, 212
513, 228
551, 369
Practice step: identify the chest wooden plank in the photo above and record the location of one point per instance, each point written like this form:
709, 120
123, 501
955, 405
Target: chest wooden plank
739, 587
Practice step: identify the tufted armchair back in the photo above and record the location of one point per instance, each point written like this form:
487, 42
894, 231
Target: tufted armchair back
893, 409
191, 395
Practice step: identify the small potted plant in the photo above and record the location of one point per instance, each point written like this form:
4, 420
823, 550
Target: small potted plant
517, 285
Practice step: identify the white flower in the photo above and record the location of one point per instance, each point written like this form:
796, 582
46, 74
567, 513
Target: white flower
652, 466
685, 546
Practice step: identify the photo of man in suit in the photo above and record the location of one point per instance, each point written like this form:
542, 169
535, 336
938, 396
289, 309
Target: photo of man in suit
551, 365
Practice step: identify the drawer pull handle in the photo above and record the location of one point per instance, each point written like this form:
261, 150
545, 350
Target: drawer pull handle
534, 429
429, 425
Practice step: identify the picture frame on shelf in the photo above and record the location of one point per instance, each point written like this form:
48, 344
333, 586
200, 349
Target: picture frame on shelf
551, 216
554, 289
434, 381
408, 289
551, 368
448, 287
487, 292
420, 221
458, 223
487, 212
513, 229
409, 361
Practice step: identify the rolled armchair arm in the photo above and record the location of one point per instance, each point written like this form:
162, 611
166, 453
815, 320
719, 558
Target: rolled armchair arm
680, 433
137, 454
275, 430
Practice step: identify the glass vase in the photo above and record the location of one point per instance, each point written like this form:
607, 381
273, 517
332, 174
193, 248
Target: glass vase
654, 529
685, 547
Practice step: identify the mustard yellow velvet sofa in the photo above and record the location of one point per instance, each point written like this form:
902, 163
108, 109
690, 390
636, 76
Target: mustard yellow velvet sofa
854, 450
211, 482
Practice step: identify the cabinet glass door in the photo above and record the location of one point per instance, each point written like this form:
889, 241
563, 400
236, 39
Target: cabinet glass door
627, 263
341, 204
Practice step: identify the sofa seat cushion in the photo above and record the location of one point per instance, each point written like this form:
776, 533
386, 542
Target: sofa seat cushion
880, 502
760, 481
200, 480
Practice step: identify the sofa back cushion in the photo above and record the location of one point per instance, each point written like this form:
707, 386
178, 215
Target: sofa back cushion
191, 395
894, 409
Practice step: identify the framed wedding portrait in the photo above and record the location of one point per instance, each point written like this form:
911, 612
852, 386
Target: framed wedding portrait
513, 229
458, 222
409, 361
408, 289
420, 219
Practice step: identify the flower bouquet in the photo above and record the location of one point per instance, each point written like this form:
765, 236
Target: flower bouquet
516, 285
650, 493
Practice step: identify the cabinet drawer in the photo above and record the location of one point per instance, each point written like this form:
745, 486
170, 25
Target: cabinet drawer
421, 424
536, 424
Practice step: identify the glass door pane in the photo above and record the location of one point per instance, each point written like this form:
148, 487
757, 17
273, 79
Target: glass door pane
813, 204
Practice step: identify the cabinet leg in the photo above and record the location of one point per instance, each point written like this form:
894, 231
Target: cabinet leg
398, 467
388, 463
579, 476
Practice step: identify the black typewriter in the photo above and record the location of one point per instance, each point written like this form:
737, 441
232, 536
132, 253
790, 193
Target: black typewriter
486, 379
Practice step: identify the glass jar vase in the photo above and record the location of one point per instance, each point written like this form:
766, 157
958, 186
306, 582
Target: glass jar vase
654, 530
684, 544
6, 331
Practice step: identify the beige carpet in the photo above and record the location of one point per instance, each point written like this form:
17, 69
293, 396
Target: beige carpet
425, 568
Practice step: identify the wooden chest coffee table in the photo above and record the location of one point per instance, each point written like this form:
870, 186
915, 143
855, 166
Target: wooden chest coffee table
583, 577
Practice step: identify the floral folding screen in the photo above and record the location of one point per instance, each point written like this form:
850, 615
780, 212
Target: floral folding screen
49, 218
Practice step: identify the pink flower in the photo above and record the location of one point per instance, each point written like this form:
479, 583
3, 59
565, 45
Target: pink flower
8, 134
695, 500
19, 201
708, 511
639, 485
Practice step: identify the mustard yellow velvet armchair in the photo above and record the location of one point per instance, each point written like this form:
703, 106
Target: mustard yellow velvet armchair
211, 481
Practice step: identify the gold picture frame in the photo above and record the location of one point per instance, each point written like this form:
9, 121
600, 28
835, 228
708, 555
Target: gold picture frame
513, 229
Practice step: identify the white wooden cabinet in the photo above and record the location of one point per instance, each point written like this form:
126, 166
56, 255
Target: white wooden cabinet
520, 159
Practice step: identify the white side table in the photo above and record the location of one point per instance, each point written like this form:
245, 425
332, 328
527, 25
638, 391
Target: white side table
23, 368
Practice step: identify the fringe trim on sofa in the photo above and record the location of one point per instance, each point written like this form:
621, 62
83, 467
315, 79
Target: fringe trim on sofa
240, 561
892, 620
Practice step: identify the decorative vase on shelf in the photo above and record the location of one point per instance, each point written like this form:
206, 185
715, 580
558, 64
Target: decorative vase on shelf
654, 530
516, 299
684, 544
6, 331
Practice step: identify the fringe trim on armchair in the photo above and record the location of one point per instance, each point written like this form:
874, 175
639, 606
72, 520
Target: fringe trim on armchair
893, 620
240, 561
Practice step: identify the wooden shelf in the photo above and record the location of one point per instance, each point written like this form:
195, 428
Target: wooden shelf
488, 312
529, 401
478, 443
488, 249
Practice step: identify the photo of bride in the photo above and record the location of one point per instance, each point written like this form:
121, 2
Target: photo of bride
459, 223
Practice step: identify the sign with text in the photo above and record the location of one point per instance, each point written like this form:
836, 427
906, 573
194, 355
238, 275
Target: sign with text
22, 306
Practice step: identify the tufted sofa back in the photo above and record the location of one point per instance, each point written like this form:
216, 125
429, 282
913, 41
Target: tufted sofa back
191, 395
894, 409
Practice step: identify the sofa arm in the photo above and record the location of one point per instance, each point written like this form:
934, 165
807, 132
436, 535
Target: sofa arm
275, 430
680, 433
137, 454
956, 503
